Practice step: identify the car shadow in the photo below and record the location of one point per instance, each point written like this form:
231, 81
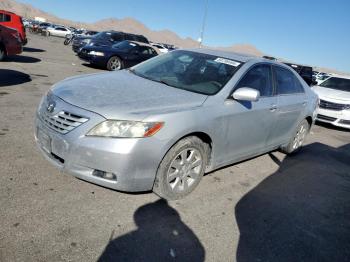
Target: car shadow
330, 126
33, 50
161, 235
12, 77
22, 59
94, 66
301, 212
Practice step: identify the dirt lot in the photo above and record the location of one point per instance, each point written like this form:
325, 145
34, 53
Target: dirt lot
271, 208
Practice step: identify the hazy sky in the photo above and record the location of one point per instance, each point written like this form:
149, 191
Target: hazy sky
305, 31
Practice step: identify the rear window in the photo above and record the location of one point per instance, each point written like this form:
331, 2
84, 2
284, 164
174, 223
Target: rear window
5, 17
287, 83
337, 83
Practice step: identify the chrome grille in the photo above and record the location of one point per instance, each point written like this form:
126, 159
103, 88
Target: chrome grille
333, 106
62, 122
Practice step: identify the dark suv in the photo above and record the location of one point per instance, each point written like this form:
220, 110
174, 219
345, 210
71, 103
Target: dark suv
304, 71
107, 38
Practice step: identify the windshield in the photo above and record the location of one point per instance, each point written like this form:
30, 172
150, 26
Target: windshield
337, 83
125, 46
191, 71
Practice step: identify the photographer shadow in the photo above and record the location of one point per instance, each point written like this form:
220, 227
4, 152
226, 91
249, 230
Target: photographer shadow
160, 236
300, 213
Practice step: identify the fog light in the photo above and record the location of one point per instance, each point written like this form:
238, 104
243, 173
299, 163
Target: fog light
105, 175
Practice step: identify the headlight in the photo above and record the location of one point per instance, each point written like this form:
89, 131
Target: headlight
125, 129
96, 53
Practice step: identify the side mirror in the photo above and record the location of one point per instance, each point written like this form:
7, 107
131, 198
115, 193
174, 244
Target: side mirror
246, 94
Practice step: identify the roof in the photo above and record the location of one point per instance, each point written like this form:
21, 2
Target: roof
231, 55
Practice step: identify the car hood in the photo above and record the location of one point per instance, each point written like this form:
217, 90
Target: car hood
108, 49
333, 94
123, 95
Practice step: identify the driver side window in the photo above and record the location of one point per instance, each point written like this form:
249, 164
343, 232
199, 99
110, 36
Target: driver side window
259, 78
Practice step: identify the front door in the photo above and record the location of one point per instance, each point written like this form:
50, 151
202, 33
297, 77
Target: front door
250, 123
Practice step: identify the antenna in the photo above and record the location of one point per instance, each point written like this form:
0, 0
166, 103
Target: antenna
200, 40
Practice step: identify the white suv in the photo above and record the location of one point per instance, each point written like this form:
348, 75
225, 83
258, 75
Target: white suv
334, 95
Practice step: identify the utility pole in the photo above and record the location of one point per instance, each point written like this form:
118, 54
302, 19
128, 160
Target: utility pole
200, 40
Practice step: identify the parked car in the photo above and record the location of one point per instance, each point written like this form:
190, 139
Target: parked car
44, 26
160, 47
107, 38
116, 57
58, 31
304, 71
165, 122
14, 21
320, 77
334, 95
10, 42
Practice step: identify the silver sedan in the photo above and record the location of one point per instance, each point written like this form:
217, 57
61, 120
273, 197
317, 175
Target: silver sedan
165, 122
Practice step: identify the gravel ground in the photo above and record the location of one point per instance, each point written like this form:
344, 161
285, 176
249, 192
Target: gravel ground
270, 208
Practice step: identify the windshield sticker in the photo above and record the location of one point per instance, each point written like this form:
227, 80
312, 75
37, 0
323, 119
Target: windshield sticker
227, 61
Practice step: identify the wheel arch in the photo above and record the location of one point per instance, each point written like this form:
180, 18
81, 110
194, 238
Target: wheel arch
205, 137
309, 120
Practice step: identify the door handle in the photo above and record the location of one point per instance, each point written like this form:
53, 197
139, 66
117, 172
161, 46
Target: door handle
273, 108
304, 103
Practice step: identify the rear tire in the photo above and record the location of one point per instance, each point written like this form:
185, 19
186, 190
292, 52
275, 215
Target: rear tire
296, 142
115, 64
181, 169
2, 53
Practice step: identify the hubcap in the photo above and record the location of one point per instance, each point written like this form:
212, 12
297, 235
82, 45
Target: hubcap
115, 64
299, 137
185, 169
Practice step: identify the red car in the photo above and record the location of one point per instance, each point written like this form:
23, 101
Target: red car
10, 42
14, 21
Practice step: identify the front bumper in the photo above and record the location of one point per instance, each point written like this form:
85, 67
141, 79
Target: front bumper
92, 59
134, 161
336, 118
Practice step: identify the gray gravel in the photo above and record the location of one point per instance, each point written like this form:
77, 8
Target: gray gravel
270, 208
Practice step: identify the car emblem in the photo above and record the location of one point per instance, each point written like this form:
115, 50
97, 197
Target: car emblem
51, 107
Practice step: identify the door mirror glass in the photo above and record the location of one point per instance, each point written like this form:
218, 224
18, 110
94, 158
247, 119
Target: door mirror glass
246, 94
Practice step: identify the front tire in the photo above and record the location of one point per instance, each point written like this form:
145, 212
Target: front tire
181, 169
298, 138
114, 64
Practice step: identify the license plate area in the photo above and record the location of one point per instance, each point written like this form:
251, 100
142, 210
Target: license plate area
44, 140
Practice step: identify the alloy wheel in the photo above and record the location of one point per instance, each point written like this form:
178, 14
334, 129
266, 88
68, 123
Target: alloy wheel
184, 170
300, 136
115, 64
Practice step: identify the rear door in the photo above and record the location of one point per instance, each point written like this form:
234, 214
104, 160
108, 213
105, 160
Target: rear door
140, 54
291, 104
